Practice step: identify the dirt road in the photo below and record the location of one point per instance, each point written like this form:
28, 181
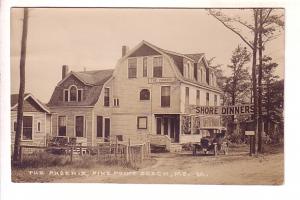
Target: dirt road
235, 168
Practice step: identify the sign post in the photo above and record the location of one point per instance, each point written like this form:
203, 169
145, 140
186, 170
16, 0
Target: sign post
251, 136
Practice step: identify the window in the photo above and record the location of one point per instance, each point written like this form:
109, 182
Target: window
198, 97
38, 127
62, 126
142, 122
145, 70
79, 95
207, 99
165, 96
27, 127
188, 70
207, 76
201, 75
145, 94
79, 126
195, 71
73, 93
15, 126
216, 100
106, 96
116, 102
187, 95
132, 65
66, 95
158, 126
99, 126
157, 67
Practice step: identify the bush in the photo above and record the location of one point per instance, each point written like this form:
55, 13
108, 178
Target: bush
235, 138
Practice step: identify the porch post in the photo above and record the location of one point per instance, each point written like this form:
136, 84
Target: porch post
180, 128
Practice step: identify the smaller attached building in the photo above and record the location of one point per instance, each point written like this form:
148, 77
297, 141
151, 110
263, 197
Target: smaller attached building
36, 121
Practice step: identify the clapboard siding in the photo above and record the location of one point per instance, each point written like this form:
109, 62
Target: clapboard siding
70, 113
38, 137
128, 89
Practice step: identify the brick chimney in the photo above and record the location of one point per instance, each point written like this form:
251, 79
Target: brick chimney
125, 50
64, 71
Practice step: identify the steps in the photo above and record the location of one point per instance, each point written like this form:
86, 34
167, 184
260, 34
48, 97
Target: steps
175, 147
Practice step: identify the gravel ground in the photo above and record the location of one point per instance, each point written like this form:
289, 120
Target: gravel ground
236, 168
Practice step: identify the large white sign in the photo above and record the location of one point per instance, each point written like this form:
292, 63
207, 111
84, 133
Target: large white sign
244, 109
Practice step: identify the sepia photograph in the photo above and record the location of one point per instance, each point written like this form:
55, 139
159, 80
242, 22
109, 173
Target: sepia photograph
147, 95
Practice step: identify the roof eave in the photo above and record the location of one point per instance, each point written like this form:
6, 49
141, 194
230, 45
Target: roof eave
30, 95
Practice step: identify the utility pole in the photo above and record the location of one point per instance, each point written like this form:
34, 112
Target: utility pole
260, 49
16, 155
254, 52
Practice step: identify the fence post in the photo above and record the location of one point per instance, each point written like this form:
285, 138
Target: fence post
149, 149
71, 155
142, 153
80, 149
116, 149
129, 151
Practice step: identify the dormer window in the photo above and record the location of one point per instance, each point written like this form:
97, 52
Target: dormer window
157, 67
132, 67
72, 94
66, 95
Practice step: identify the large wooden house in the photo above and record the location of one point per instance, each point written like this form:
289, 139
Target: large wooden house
154, 87
148, 92
80, 107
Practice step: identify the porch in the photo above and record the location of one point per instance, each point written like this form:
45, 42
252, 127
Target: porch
184, 128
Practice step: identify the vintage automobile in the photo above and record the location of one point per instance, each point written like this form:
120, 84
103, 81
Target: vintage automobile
215, 143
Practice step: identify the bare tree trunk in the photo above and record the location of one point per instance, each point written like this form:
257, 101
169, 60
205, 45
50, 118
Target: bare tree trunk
268, 109
254, 79
260, 117
16, 155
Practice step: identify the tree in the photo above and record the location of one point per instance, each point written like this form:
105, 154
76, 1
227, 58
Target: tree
16, 155
272, 96
268, 25
262, 30
231, 24
238, 83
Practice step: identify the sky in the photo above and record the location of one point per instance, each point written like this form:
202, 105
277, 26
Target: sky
92, 38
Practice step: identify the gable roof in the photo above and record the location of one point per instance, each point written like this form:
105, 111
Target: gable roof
14, 98
93, 81
195, 56
94, 77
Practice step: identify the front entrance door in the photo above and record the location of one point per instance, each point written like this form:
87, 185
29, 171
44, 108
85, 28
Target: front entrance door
106, 129
168, 125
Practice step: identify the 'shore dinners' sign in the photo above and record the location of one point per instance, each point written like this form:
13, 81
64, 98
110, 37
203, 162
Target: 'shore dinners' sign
244, 109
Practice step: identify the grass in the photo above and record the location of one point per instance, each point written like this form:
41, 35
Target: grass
45, 167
